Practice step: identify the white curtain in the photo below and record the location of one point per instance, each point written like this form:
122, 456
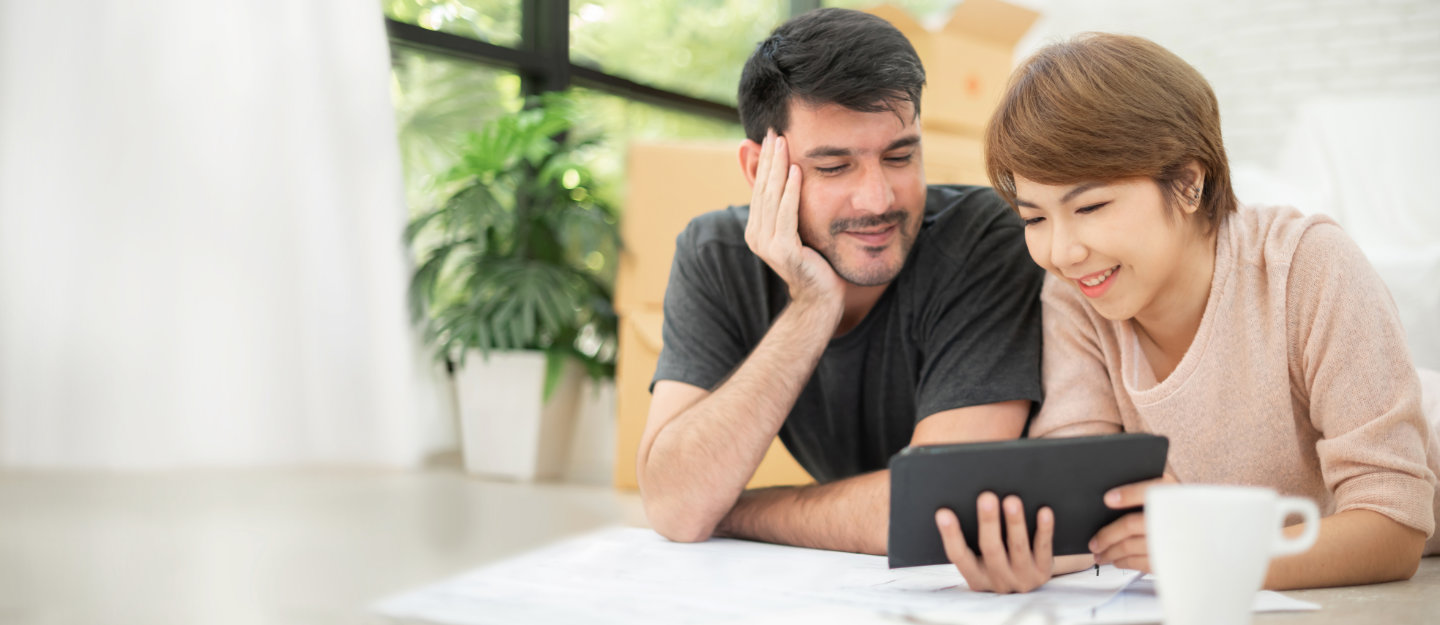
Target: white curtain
201, 262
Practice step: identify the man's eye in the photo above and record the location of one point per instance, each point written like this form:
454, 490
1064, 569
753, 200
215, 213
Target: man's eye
899, 160
830, 170
1091, 208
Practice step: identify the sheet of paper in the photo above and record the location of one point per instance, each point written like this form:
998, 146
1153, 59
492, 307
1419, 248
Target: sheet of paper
627, 575
1139, 604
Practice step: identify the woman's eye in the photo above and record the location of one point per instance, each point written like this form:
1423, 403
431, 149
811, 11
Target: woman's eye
1091, 208
1033, 220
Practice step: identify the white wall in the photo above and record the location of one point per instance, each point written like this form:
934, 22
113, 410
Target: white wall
1265, 59
1330, 106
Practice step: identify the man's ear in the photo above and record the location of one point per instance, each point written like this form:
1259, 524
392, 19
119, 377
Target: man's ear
749, 160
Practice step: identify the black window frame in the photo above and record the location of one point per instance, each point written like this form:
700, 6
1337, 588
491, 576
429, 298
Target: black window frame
542, 60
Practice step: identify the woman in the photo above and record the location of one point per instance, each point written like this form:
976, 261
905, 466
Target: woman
1259, 340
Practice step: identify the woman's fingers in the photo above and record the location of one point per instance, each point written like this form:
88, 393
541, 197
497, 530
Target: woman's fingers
1005, 564
1127, 549
958, 552
1130, 495
1045, 540
1030, 567
1134, 563
992, 547
1124, 528
1018, 534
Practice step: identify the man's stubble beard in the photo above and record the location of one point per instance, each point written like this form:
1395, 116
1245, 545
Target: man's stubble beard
866, 274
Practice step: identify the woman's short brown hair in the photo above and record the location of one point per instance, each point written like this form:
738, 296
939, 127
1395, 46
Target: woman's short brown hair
1103, 107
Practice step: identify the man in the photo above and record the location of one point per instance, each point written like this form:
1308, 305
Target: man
848, 308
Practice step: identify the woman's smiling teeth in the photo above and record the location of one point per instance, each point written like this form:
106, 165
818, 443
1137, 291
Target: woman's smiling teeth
1095, 281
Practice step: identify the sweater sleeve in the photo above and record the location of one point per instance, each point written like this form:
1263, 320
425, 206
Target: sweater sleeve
1348, 352
1079, 394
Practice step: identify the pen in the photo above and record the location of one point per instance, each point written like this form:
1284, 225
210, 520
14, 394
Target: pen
1097, 570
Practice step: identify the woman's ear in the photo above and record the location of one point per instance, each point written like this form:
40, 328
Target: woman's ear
1194, 187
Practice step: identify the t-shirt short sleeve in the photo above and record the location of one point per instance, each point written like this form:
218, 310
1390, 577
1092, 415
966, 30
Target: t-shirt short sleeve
979, 326
704, 326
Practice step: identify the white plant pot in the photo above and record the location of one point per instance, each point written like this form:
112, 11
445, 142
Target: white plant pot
507, 430
592, 446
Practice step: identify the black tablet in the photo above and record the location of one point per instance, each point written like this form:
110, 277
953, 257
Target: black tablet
1070, 475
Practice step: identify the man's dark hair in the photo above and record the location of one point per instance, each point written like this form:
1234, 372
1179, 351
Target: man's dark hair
828, 56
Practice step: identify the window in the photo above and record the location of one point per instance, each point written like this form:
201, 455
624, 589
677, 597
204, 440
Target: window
437, 101
618, 121
491, 21
640, 69
695, 48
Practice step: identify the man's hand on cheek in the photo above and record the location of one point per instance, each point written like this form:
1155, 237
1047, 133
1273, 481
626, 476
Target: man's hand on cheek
773, 231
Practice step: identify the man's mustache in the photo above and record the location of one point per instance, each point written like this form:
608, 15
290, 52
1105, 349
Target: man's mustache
869, 221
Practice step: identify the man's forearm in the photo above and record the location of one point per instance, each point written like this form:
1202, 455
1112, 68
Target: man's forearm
846, 515
700, 462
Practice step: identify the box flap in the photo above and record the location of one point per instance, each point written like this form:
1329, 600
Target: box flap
913, 30
899, 18
648, 327
670, 182
991, 21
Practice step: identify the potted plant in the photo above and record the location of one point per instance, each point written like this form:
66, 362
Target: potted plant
514, 286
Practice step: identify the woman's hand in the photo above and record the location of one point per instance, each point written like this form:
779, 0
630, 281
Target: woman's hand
1018, 568
1122, 542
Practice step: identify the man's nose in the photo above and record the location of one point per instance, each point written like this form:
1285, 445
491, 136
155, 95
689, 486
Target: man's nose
874, 193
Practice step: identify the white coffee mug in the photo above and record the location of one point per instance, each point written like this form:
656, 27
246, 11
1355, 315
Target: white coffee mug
1210, 547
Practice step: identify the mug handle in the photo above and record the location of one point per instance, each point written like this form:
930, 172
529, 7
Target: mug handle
1286, 506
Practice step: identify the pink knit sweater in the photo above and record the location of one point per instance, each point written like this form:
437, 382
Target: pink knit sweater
1298, 378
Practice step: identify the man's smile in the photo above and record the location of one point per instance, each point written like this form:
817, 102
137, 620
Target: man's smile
874, 237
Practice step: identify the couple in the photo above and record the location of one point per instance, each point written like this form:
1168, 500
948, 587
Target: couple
854, 311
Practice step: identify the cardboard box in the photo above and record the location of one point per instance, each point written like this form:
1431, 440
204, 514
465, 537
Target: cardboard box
966, 63
670, 184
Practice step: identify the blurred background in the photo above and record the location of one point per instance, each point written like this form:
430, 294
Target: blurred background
202, 210
279, 237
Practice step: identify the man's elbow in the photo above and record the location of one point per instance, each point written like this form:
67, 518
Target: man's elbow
677, 518
678, 523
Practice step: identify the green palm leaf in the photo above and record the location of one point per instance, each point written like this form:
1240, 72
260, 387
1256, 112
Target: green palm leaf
520, 253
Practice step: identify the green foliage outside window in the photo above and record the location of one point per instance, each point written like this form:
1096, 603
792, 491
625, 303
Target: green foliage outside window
618, 121
695, 47
437, 101
452, 114
491, 21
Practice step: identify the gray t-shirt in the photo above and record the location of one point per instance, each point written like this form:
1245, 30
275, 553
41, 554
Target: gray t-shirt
959, 326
